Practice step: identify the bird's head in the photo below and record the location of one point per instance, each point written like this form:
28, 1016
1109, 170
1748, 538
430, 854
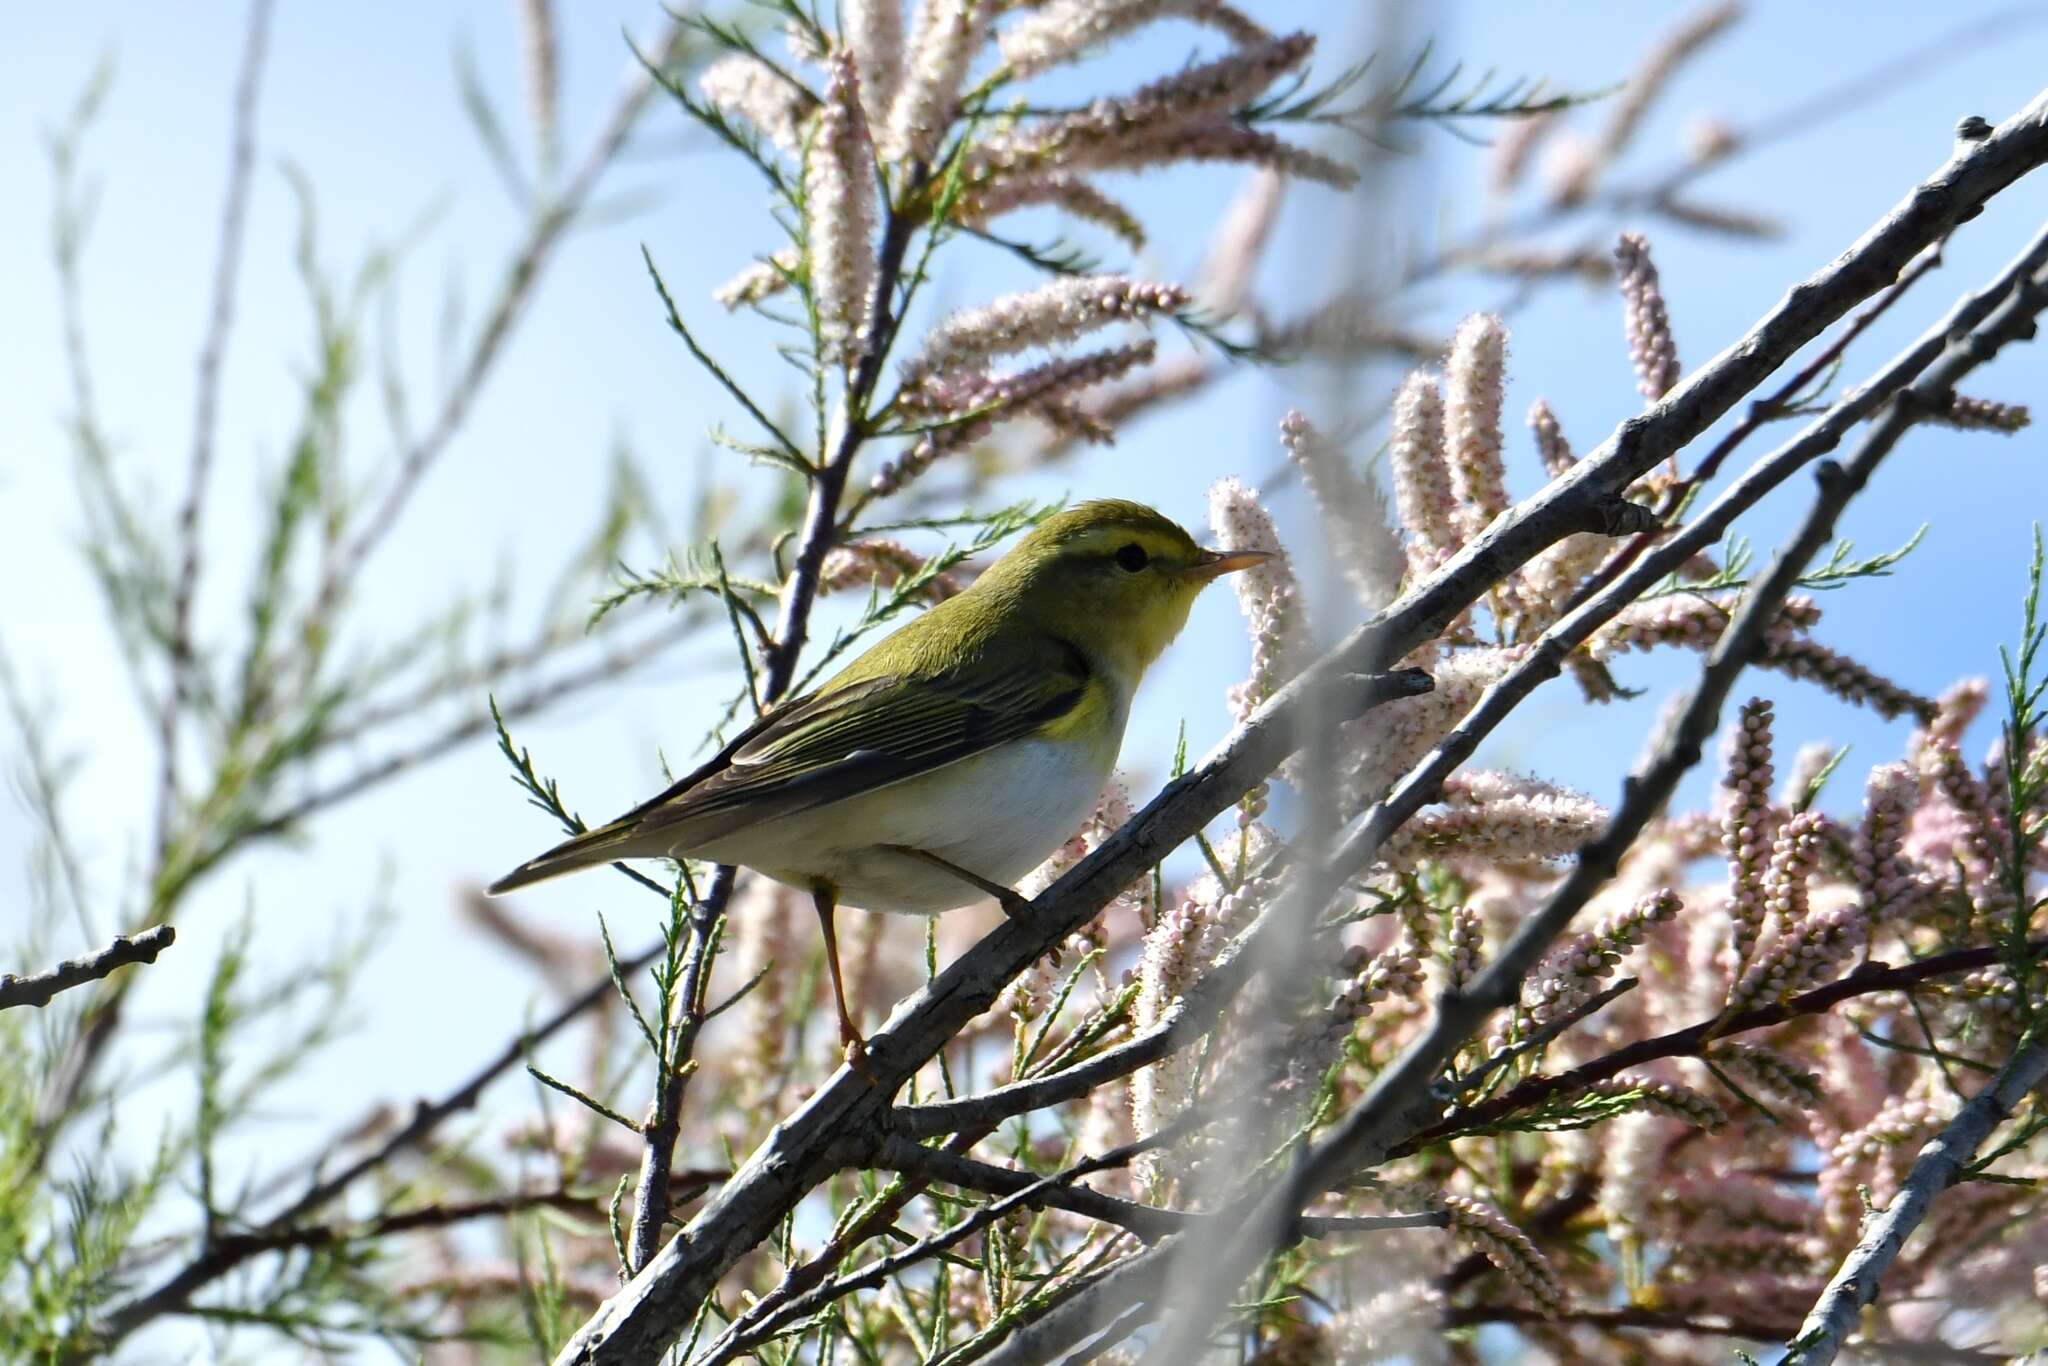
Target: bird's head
1114, 577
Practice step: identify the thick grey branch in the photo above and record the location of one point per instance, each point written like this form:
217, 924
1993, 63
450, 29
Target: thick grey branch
1406, 1092
38, 989
847, 1112
1855, 1283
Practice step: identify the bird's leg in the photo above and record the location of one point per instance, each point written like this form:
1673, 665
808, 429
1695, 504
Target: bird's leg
826, 899
1015, 906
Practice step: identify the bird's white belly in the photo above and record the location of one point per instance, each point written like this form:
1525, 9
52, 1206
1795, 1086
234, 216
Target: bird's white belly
997, 814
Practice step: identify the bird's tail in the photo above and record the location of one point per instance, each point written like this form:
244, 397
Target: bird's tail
605, 844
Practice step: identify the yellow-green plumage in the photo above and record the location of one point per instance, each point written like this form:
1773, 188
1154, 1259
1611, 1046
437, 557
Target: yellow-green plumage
981, 733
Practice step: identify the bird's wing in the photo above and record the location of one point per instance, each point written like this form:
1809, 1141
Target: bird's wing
852, 739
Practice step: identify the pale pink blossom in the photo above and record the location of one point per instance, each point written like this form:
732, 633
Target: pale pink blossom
1269, 595
942, 45
761, 280
1422, 478
1651, 348
873, 31
1354, 512
839, 202
1063, 190
747, 88
977, 403
1475, 384
1239, 243
1046, 316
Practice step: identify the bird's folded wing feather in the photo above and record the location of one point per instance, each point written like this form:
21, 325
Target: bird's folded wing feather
865, 735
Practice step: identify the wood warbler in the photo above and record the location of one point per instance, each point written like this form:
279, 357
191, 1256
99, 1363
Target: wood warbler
955, 754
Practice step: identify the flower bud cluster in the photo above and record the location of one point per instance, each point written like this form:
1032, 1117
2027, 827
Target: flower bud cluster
839, 202
1061, 189
879, 559
1570, 973
1982, 414
1800, 958
1651, 347
1521, 830
980, 402
1370, 978
1268, 594
1690, 621
1748, 823
1774, 1074
1494, 1237
1462, 947
1883, 875
1801, 657
1794, 853
1677, 1102
1046, 316
1422, 478
1475, 387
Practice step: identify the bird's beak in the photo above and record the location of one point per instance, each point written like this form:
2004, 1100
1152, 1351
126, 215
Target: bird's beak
1214, 564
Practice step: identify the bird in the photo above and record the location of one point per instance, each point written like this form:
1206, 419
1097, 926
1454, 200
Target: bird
952, 756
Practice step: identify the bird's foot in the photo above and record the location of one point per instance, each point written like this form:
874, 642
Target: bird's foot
856, 1057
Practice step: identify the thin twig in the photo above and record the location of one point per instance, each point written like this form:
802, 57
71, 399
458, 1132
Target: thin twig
38, 988
1695, 1040
220, 321
1856, 1282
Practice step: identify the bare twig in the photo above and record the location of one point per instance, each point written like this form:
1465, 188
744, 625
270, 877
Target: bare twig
1856, 1282
551, 222
226, 272
1696, 1039
37, 989
680, 1027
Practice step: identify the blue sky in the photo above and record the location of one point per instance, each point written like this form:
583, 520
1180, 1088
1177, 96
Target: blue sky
363, 98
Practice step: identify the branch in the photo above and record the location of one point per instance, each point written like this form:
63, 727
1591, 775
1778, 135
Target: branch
38, 989
1940, 1165
651, 1191
1696, 1039
226, 272
215, 1261
1407, 1090
1662, 1321
522, 277
899, 1154
845, 1115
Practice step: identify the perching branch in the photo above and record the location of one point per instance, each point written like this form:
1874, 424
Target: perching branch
648, 1313
1405, 1090
39, 988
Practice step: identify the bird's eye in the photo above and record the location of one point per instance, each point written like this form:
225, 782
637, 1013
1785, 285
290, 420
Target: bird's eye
1131, 558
